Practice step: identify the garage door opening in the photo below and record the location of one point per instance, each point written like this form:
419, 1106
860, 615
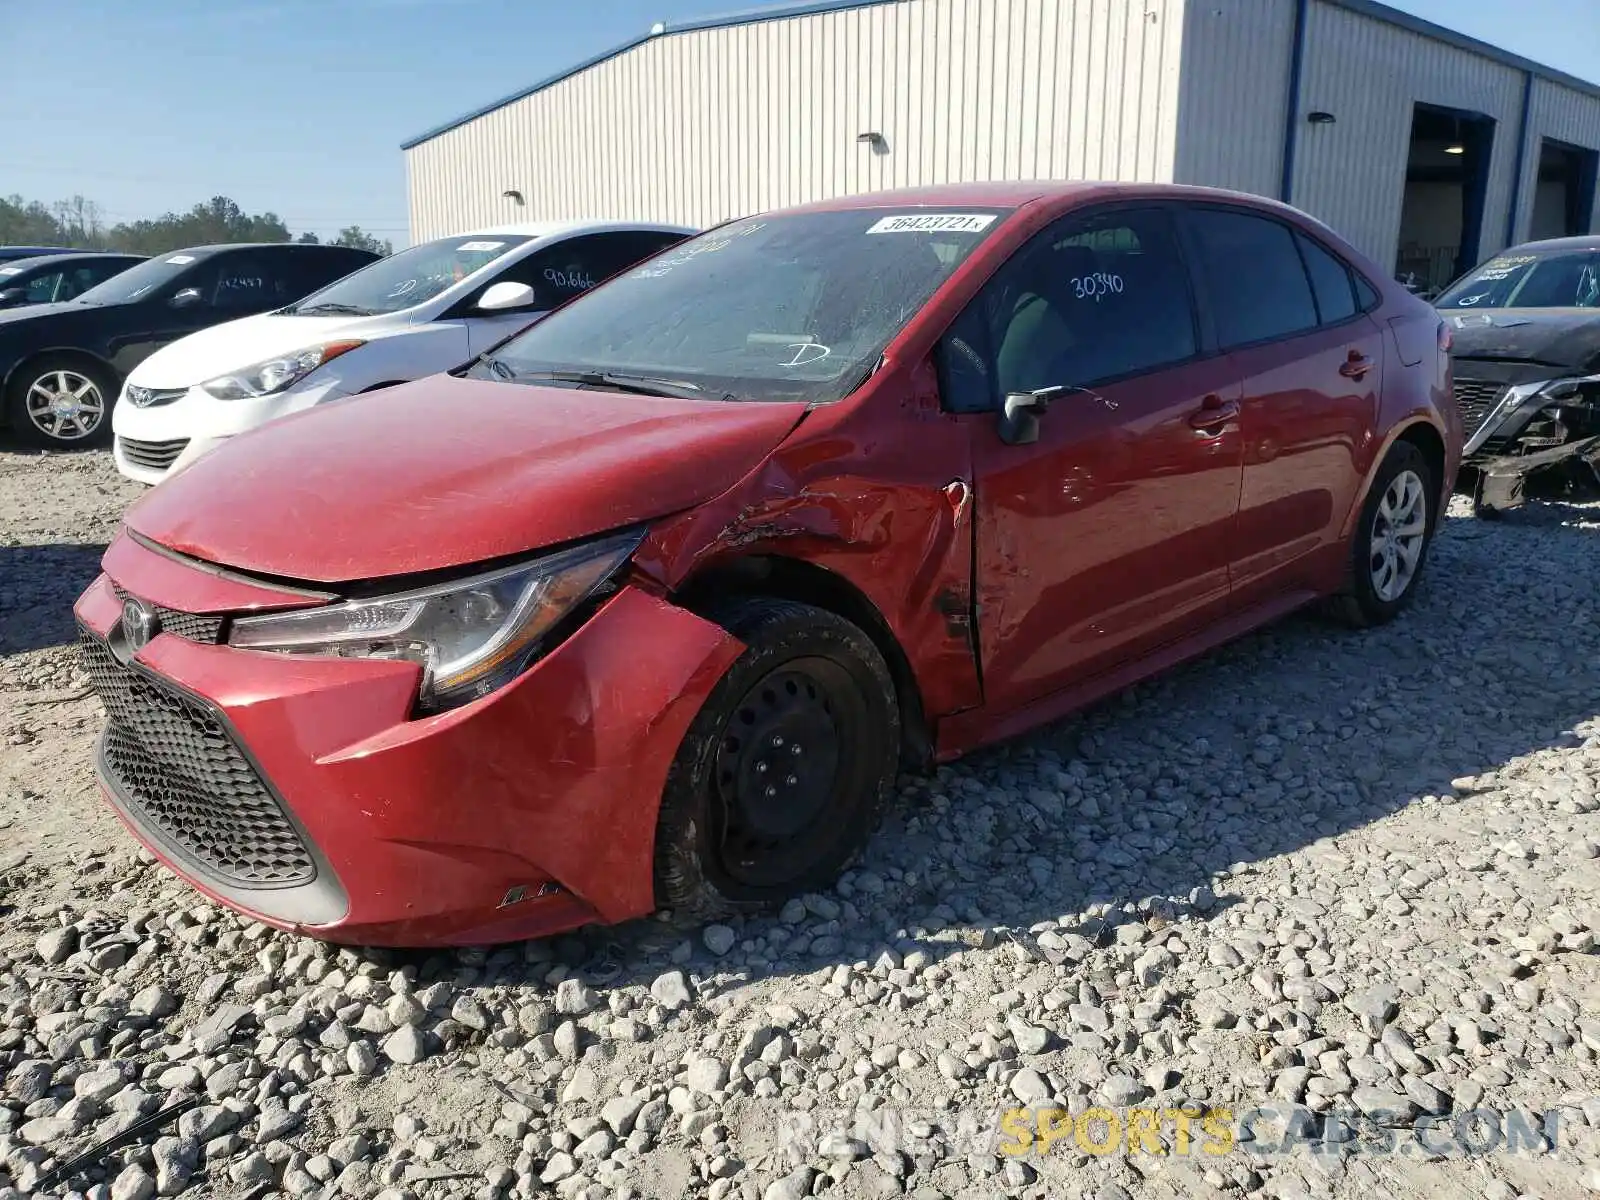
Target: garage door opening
1441, 218
1563, 204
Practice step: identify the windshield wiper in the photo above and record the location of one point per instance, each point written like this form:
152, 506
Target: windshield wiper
343, 310
642, 385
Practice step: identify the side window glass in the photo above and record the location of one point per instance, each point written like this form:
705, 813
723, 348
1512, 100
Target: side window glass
1330, 282
42, 288
572, 267
244, 283
1366, 295
1090, 299
1258, 285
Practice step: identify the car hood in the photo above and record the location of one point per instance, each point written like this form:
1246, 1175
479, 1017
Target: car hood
1565, 339
242, 343
448, 472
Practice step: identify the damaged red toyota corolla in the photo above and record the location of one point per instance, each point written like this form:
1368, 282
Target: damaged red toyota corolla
648, 606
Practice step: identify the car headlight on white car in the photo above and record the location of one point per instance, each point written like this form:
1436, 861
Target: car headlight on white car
275, 374
470, 636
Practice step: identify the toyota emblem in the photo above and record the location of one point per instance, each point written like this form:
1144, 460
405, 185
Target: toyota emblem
139, 623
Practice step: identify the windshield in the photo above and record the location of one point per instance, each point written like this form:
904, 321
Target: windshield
791, 307
411, 276
138, 282
1553, 279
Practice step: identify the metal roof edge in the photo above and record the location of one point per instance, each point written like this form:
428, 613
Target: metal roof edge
749, 16
1462, 41
806, 8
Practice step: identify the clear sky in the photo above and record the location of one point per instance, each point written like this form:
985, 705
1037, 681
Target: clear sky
300, 106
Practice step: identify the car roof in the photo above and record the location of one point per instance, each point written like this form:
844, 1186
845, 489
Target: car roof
41, 260
1581, 242
1017, 193
219, 247
548, 229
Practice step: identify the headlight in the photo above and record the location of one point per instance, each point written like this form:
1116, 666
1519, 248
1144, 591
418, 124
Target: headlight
275, 374
470, 636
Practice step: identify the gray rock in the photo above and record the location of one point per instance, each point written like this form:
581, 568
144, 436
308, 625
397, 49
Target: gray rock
56, 946
1030, 1038
574, 998
559, 1167
154, 1001
406, 1045
719, 939
252, 1170
1121, 1090
671, 991
796, 1185
133, 1183
706, 1075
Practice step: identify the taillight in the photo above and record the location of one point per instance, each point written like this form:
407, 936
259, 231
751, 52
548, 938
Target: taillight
1446, 338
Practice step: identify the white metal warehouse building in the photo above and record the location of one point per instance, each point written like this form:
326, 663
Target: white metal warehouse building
1425, 148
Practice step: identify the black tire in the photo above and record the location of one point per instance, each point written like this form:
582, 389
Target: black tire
30, 428
724, 843
1362, 605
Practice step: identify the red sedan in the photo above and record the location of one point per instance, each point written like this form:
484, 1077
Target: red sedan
648, 605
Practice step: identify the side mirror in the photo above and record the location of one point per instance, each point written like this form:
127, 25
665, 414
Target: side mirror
187, 298
10, 294
1019, 418
505, 295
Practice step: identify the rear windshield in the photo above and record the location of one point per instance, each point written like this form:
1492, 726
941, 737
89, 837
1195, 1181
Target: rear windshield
411, 276
1552, 279
786, 307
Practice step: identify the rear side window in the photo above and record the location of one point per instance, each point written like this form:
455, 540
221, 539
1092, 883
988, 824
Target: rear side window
1330, 282
1257, 285
570, 268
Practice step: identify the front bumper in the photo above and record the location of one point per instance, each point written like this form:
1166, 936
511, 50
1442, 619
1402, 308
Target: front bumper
302, 792
153, 443
1500, 479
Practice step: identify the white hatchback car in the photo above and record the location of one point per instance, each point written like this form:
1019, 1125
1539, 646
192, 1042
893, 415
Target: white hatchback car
420, 311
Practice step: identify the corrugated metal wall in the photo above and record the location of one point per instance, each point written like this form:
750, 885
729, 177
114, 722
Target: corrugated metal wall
1567, 116
703, 125
1369, 74
1234, 92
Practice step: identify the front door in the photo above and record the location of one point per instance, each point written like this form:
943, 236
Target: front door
1311, 365
1111, 533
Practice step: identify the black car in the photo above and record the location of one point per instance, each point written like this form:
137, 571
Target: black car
62, 365
1526, 328
51, 278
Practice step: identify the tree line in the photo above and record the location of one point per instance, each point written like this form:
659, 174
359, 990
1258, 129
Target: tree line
77, 223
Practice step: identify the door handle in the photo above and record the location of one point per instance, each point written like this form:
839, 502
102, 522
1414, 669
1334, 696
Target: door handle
1214, 412
1356, 365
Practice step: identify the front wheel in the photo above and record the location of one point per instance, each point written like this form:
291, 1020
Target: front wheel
60, 402
1391, 539
786, 770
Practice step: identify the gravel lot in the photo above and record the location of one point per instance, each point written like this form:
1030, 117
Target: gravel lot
1343, 873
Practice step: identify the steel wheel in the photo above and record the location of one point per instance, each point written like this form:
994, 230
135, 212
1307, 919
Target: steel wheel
787, 767
65, 405
783, 752
1399, 530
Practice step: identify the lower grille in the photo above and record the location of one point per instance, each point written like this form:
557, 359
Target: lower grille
177, 765
197, 627
1476, 399
152, 456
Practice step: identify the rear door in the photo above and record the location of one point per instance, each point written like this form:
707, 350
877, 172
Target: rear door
1285, 309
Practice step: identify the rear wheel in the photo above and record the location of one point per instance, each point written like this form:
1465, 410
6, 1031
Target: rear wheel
1391, 539
61, 402
787, 768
